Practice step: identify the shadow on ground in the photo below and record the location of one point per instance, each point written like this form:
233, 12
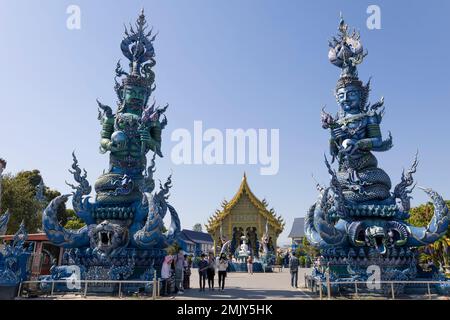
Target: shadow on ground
241, 293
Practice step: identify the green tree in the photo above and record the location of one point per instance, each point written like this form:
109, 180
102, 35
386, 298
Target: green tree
19, 196
173, 249
197, 227
73, 222
438, 252
279, 260
305, 249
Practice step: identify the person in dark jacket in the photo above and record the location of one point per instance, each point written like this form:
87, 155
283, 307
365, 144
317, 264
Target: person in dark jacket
286, 260
202, 271
293, 268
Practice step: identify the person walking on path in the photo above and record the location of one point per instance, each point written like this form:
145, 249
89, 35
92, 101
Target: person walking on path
202, 271
211, 271
222, 267
293, 268
250, 264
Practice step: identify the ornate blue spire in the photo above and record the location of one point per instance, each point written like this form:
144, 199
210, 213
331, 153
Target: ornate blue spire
137, 47
346, 51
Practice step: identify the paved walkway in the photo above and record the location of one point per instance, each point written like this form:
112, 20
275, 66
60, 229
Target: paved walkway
273, 285
270, 286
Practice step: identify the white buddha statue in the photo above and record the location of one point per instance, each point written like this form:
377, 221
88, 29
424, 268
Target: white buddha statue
243, 251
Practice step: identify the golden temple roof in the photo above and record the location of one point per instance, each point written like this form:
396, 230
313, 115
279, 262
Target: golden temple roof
215, 220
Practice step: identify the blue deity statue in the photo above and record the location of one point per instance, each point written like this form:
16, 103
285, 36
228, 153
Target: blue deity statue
124, 227
357, 221
355, 131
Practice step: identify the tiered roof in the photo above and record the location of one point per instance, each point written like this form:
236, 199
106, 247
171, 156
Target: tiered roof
275, 221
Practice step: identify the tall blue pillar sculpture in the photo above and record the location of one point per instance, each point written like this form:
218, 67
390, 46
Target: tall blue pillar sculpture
357, 221
124, 236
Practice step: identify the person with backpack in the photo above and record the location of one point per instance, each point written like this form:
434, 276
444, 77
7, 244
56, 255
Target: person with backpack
293, 268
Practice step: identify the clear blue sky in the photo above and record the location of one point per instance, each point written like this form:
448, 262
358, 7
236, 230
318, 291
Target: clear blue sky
231, 64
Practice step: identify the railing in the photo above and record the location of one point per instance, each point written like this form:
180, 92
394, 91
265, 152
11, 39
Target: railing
84, 285
277, 266
317, 285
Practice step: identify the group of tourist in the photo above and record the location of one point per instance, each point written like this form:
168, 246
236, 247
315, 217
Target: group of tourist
207, 267
175, 273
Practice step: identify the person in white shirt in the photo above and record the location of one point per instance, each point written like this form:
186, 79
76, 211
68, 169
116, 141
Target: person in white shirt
165, 274
222, 267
